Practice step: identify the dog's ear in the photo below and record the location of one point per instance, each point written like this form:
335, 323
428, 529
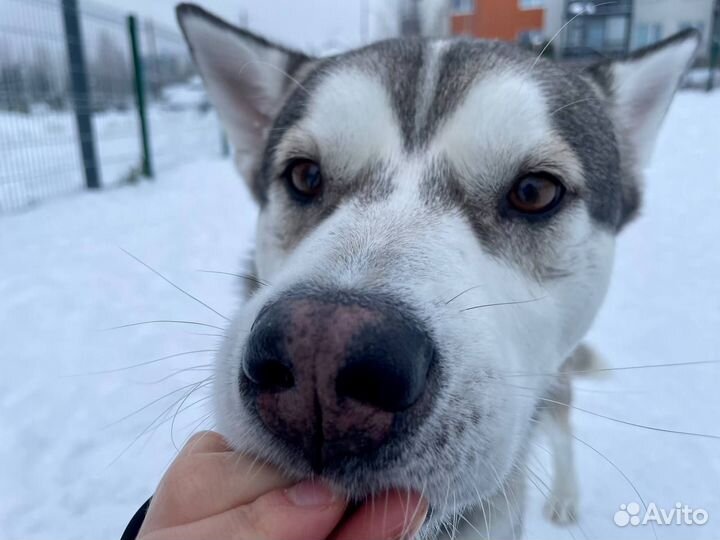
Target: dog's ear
640, 89
246, 76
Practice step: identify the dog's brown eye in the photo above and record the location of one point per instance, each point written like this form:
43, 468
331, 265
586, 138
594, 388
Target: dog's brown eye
305, 178
536, 193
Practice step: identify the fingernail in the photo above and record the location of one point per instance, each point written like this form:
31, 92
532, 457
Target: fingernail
310, 493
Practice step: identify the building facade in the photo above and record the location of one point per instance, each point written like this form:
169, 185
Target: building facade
654, 20
510, 20
585, 29
576, 28
601, 30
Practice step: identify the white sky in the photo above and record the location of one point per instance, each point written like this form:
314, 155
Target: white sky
314, 26
301, 23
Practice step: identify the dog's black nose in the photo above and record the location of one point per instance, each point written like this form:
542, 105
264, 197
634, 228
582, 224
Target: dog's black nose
328, 373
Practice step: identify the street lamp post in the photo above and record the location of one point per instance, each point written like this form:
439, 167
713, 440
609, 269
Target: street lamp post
714, 46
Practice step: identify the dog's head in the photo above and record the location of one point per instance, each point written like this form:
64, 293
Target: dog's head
437, 223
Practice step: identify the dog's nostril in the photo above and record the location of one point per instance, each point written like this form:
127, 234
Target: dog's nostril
391, 379
269, 374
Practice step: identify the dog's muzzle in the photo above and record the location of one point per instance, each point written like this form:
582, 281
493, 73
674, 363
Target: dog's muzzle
337, 374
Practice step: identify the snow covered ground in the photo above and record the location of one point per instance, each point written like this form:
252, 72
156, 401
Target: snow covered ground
83, 446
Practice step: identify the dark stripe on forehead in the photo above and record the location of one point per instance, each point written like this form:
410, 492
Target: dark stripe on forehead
453, 84
462, 63
402, 65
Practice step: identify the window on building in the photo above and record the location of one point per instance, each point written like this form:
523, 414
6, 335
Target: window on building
530, 38
642, 35
595, 34
575, 36
463, 7
615, 31
531, 4
656, 32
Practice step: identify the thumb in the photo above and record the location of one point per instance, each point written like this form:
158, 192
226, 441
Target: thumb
306, 511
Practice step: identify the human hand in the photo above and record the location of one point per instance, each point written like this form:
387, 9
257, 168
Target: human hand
211, 492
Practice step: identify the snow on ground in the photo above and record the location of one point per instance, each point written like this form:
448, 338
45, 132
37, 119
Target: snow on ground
70, 469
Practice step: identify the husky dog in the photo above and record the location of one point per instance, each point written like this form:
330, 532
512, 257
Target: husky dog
437, 225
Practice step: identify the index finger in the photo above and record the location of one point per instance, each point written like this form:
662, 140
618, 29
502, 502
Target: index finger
208, 478
206, 442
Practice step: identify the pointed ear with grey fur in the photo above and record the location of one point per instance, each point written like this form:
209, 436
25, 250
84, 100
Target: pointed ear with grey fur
246, 76
641, 88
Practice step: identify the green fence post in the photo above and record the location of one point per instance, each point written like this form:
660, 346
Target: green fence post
147, 168
714, 57
80, 92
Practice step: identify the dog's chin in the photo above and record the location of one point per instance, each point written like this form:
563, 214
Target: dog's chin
452, 482
355, 477
358, 478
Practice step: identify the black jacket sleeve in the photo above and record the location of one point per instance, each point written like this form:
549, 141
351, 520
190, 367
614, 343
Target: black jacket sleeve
133, 528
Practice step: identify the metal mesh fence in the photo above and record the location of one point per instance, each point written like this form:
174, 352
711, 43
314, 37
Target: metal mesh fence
181, 119
41, 139
38, 157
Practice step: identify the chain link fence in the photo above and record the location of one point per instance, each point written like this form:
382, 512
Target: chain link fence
70, 105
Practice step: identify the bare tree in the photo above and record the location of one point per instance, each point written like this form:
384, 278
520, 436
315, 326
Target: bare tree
39, 83
435, 18
393, 18
410, 18
110, 74
13, 96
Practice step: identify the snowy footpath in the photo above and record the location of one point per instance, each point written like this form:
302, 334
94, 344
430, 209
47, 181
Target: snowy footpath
85, 438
